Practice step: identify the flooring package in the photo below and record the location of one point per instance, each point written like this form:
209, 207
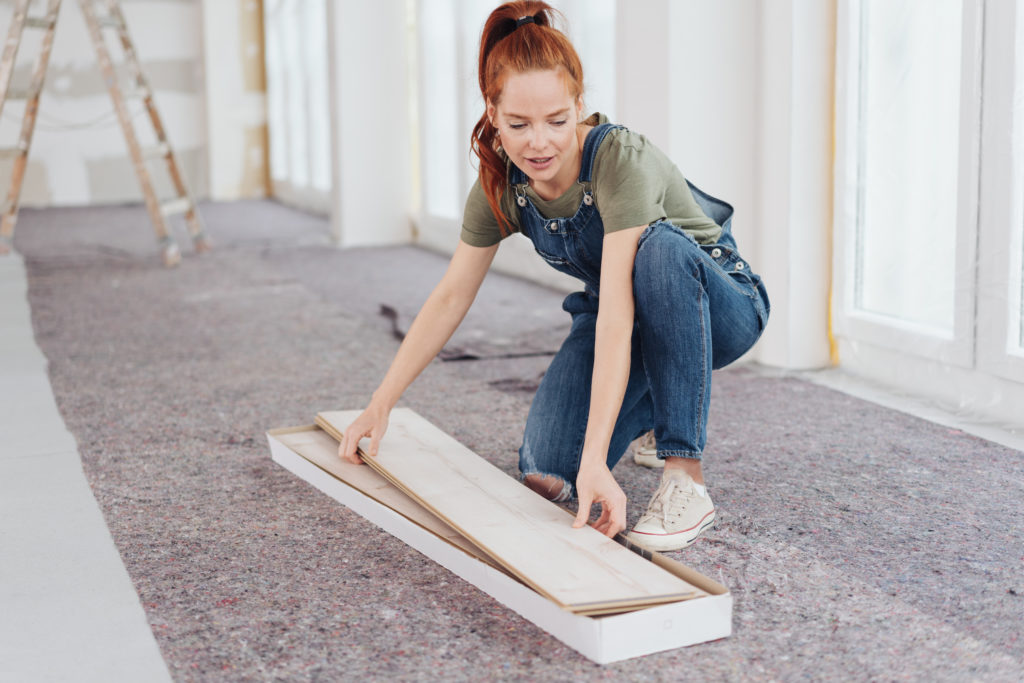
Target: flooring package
445, 501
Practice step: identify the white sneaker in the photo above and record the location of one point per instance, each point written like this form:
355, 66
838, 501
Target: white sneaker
676, 516
645, 451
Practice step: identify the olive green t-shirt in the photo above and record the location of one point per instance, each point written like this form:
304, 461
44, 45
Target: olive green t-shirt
634, 184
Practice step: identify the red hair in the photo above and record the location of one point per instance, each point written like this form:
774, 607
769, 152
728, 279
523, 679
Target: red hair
507, 45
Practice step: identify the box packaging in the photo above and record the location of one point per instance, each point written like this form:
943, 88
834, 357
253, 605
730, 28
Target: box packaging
603, 639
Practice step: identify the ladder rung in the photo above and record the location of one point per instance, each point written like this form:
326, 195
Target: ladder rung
11, 152
175, 206
157, 152
20, 93
108, 22
138, 92
38, 22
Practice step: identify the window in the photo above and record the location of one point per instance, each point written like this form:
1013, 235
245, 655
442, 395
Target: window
908, 161
929, 202
297, 102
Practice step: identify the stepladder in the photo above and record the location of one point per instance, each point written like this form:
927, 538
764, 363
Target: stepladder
125, 82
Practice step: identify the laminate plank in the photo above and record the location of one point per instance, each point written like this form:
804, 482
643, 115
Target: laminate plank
321, 449
579, 569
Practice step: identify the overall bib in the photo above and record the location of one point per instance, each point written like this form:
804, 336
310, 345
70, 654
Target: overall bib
698, 308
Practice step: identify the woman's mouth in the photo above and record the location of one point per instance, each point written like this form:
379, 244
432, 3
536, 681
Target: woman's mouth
539, 162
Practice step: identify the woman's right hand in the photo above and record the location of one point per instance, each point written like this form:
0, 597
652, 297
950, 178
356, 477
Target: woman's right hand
434, 324
373, 422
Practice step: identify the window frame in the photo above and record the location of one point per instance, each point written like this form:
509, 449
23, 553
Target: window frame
857, 324
1001, 269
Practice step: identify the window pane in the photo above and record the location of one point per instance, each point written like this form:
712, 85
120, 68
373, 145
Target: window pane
297, 89
276, 101
592, 31
440, 132
315, 58
298, 109
908, 157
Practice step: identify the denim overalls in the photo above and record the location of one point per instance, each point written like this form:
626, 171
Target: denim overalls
698, 307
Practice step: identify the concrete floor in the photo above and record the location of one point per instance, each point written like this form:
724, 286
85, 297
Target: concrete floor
851, 551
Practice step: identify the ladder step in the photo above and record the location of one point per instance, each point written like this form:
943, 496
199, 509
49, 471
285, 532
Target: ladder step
109, 22
11, 152
136, 93
20, 94
157, 151
176, 206
39, 22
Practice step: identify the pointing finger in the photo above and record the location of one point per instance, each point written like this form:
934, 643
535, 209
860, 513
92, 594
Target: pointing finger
584, 512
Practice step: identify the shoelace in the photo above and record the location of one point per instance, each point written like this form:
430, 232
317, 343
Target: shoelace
663, 499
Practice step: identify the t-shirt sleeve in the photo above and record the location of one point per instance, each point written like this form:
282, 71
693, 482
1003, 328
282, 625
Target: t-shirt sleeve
630, 182
479, 226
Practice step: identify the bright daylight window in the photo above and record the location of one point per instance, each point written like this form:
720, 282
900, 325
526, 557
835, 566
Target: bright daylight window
297, 100
909, 94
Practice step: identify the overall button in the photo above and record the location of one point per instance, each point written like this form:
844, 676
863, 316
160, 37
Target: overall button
521, 200
588, 199
716, 253
740, 265
553, 226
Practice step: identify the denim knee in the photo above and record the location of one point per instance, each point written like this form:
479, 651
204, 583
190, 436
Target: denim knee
529, 465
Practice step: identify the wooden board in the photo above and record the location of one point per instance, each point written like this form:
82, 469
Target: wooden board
604, 638
321, 449
579, 569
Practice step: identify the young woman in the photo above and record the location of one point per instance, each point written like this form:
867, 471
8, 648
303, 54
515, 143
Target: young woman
666, 296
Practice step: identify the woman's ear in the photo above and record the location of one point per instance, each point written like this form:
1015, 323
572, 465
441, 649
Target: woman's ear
579, 106
490, 112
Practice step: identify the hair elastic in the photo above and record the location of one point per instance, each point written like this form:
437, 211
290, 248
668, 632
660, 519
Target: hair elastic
528, 19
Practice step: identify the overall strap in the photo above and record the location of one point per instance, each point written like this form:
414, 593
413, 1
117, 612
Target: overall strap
590, 145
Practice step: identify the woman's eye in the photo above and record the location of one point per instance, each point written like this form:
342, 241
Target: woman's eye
517, 126
558, 123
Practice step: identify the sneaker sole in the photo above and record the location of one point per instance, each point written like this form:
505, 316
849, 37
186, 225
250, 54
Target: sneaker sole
674, 541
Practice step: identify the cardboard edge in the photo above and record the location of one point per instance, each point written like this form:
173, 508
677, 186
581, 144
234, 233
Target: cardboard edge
602, 639
688, 574
292, 430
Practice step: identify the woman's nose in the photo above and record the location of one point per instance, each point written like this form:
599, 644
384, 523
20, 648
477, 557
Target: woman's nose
538, 138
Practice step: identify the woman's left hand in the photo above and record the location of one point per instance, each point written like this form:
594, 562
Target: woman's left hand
595, 484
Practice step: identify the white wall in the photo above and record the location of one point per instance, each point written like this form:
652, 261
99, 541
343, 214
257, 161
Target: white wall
794, 178
78, 154
740, 94
713, 99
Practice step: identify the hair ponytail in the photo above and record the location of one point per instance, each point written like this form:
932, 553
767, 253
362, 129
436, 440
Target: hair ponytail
518, 36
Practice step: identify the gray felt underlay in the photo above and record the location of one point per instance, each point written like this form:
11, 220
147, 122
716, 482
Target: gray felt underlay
858, 542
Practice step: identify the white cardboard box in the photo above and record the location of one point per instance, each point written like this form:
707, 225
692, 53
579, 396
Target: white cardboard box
603, 639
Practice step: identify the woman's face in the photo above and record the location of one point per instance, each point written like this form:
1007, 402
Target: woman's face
536, 118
